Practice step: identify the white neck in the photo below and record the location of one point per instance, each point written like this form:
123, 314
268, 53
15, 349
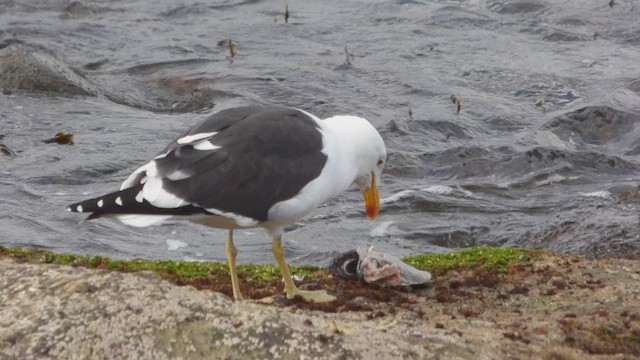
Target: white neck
345, 136
352, 139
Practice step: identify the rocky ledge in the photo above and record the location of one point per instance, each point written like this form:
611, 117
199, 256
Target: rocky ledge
550, 306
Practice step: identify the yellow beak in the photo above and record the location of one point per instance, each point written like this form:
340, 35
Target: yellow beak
372, 198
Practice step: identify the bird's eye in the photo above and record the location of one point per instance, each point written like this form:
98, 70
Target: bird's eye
380, 162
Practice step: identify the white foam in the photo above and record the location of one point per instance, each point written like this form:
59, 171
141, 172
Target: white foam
175, 244
598, 194
397, 196
438, 189
381, 230
554, 178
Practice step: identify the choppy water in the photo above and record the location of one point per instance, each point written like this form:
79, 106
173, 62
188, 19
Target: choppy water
563, 176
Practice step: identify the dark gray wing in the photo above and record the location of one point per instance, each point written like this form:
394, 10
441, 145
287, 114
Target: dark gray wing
259, 156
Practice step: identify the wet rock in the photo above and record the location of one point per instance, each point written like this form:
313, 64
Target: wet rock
518, 7
160, 87
5, 150
593, 125
26, 68
558, 35
635, 86
78, 9
151, 87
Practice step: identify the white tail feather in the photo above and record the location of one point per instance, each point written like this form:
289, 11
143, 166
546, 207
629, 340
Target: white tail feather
142, 220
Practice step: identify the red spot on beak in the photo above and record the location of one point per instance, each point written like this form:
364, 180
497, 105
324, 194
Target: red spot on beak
371, 211
372, 199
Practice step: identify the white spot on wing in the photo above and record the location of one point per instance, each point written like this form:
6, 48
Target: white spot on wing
151, 171
157, 196
178, 175
119, 201
205, 145
239, 219
140, 197
100, 203
195, 137
79, 208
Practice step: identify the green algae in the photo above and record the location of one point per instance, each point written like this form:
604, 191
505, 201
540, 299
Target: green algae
490, 258
608, 332
167, 268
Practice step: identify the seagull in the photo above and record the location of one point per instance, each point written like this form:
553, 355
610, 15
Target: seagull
251, 167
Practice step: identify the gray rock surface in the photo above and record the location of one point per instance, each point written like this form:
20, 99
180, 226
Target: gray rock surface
63, 312
555, 307
31, 69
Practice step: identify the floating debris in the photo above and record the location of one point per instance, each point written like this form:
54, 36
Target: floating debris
410, 113
374, 267
5, 150
458, 101
595, 35
286, 13
348, 55
231, 47
540, 103
96, 64
611, 3
61, 139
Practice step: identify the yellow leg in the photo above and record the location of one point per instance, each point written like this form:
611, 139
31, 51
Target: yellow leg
232, 252
290, 287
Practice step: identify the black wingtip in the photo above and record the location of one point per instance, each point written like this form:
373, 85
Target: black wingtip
94, 215
108, 203
77, 207
127, 201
